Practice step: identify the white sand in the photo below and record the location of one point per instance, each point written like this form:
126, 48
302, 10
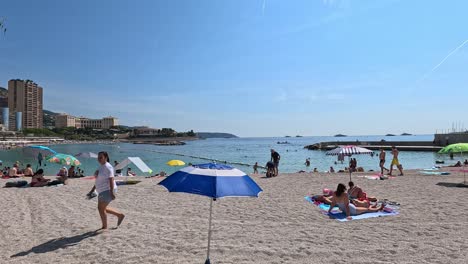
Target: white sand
53, 224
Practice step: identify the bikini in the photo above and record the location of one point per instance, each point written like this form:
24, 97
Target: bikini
352, 208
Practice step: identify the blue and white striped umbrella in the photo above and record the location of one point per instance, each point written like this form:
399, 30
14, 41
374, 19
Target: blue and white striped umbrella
349, 150
212, 180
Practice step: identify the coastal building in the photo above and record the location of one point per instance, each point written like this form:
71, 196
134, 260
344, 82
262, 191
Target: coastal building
5, 113
145, 131
65, 120
24, 105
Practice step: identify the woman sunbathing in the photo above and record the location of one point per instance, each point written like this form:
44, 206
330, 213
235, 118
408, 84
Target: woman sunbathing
38, 179
358, 197
130, 172
363, 201
340, 198
28, 172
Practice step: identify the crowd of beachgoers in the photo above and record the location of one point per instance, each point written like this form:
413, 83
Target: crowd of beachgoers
279, 208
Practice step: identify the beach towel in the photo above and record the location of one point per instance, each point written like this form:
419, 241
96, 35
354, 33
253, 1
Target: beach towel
18, 184
432, 169
376, 177
435, 172
126, 182
340, 216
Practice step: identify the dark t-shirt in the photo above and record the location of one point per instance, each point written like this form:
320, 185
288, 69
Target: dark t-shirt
275, 156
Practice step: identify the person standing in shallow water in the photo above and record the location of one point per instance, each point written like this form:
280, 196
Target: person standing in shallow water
255, 168
275, 157
106, 187
39, 159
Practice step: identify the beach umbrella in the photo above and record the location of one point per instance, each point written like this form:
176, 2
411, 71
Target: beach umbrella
64, 159
454, 148
34, 151
38, 152
175, 163
86, 155
214, 181
349, 151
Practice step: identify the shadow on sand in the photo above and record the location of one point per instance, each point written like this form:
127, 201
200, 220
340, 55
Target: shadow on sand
451, 184
57, 243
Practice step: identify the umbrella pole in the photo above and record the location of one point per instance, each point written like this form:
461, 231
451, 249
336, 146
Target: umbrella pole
207, 261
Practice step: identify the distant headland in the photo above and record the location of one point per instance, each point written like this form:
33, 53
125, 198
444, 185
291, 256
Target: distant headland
203, 135
340, 135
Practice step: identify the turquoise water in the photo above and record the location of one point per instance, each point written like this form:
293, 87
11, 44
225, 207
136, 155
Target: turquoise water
237, 150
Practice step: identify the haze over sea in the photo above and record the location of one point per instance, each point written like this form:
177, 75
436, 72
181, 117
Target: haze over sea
235, 150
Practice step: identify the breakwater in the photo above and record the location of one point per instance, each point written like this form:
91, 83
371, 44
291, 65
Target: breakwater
376, 145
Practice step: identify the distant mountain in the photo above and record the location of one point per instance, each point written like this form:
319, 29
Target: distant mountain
3, 92
340, 135
406, 134
49, 118
215, 135
389, 135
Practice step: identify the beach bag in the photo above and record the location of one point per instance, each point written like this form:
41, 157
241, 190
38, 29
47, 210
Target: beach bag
16, 184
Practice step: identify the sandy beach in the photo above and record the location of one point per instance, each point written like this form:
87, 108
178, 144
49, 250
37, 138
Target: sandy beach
57, 224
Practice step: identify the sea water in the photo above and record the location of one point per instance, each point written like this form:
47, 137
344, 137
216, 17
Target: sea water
235, 151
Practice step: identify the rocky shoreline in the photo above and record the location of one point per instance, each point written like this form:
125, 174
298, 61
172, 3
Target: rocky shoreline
161, 143
169, 141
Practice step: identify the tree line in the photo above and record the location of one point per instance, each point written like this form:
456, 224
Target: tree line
89, 134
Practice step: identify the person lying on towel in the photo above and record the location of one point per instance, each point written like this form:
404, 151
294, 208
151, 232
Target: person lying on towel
38, 179
355, 195
340, 199
358, 197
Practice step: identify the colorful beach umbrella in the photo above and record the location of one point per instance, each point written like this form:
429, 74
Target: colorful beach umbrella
214, 181
454, 148
87, 155
175, 163
64, 159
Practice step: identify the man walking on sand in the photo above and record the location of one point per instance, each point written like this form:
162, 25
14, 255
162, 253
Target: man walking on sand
395, 162
275, 157
382, 155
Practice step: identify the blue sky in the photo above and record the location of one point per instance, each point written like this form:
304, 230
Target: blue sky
252, 68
